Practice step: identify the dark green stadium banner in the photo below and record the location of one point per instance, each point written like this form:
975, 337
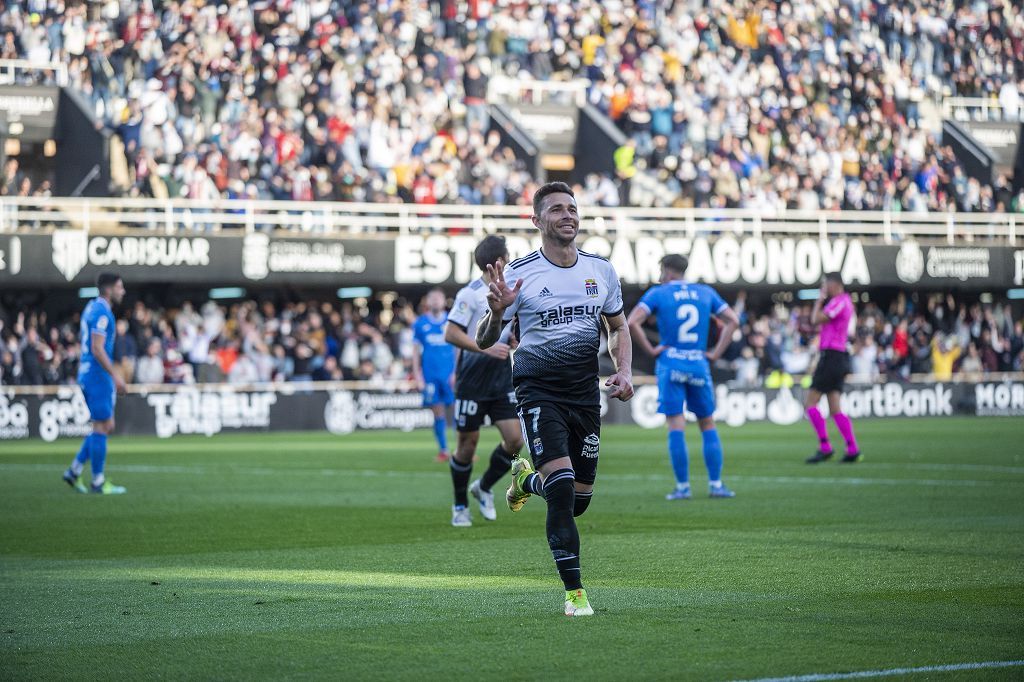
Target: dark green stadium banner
214, 410
74, 258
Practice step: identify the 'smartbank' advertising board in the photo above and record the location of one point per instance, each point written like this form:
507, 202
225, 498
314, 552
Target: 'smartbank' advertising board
74, 258
214, 410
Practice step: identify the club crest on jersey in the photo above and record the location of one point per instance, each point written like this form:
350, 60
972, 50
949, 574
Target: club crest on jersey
591, 286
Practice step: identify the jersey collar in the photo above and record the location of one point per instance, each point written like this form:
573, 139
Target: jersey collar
563, 267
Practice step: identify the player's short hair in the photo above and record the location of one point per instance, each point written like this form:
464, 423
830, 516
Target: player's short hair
107, 279
548, 189
675, 262
433, 289
490, 250
834, 277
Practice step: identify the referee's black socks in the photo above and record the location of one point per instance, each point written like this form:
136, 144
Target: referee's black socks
563, 538
501, 462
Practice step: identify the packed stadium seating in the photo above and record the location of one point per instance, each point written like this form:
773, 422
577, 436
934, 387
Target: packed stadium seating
251, 342
755, 104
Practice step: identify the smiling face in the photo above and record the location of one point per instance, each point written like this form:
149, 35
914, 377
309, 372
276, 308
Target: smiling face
558, 219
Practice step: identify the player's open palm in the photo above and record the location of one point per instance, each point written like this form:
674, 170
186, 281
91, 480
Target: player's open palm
500, 295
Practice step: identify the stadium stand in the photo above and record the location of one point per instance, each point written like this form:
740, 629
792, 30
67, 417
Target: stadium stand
253, 342
742, 104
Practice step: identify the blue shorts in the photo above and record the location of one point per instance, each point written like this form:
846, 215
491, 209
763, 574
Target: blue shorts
680, 388
100, 397
438, 392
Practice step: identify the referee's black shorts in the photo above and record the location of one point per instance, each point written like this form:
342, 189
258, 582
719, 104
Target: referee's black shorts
829, 375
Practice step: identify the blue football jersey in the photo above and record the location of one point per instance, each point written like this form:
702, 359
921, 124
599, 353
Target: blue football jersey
438, 355
96, 318
683, 312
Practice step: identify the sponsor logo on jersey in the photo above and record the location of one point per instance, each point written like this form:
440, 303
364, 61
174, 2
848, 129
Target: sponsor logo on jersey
565, 314
591, 446
591, 287
544, 293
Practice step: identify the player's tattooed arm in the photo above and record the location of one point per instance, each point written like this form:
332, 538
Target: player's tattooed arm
458, 337
499, 297
489, 330
620, 347
636, 321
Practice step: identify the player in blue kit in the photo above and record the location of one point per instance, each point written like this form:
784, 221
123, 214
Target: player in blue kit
434, 365
100, 385
684, 311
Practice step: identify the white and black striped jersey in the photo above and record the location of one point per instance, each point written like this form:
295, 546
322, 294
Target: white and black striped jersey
478, 376
559, 313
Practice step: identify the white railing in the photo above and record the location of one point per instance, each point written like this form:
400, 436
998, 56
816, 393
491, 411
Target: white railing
978, 109
11, 69
502, 89
333, 218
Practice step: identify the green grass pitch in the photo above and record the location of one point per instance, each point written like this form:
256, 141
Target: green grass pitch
315, 556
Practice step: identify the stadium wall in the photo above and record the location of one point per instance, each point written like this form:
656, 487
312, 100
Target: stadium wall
75, 257
343, 409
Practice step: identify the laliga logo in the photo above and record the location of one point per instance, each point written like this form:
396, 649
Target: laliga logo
340, 413
735, 408
69, 252
785, 409
644, 408
910, 262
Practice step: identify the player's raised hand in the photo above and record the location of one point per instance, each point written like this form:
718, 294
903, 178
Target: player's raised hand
500, 296
621, 385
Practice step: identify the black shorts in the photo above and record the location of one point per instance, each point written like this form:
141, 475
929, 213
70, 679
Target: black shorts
833, 366
553, 430
470, 414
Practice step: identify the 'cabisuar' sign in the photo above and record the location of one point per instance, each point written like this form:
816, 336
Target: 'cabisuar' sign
726, 260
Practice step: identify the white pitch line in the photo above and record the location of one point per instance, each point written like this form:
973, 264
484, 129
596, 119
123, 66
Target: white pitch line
953, 667
200, 470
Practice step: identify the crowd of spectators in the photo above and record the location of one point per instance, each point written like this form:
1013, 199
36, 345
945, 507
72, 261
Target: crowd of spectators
935, 336
255, 342
757, 103
242, 343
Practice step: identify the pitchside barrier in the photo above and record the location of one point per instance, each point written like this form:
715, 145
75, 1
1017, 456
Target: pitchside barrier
67, 242
344, 407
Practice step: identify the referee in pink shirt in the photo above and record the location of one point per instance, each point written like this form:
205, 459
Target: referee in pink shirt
832, 311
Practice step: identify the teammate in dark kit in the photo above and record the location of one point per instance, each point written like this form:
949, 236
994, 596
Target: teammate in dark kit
560, 297
483, 389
